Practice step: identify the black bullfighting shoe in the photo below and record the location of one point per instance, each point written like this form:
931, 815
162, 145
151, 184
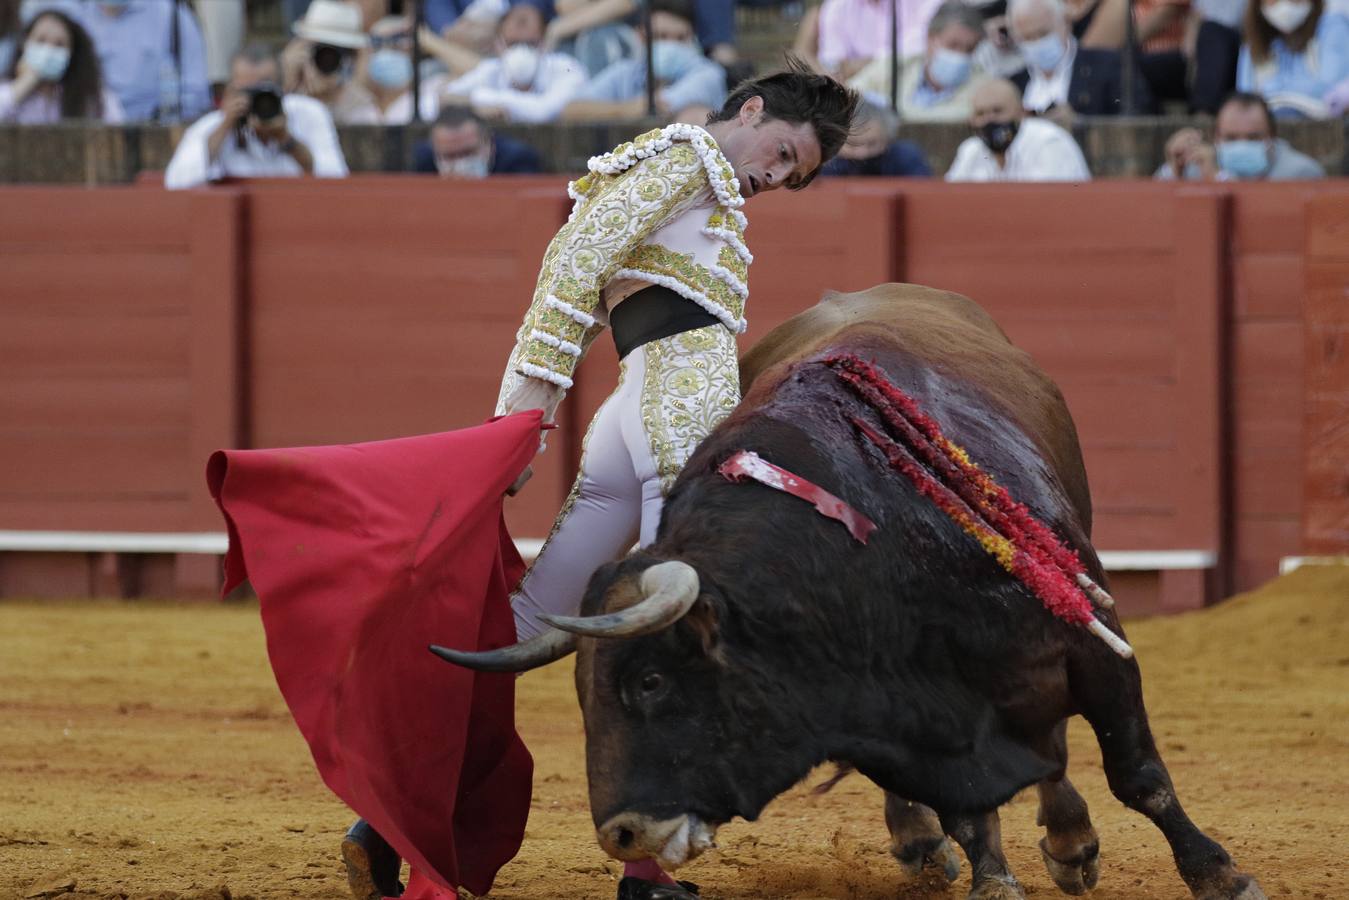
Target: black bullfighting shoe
372, 865
636, 889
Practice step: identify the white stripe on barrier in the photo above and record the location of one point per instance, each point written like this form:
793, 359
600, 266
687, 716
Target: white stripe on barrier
1156, 560
211, 542
216, 542
1293, 563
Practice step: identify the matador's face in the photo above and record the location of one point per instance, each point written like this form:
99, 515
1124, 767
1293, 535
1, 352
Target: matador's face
769, 153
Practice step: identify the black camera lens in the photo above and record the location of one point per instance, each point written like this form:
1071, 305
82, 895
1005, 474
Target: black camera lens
328, 59
265, 104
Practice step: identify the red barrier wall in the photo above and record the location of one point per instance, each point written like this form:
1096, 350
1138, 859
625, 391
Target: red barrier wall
1326, 468
118, 350
143, 329
388, 310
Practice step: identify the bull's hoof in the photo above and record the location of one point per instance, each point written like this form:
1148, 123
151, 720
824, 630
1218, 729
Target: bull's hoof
1244, 887
1003, 887
924, 853
1076, 875
372, 865
636, 889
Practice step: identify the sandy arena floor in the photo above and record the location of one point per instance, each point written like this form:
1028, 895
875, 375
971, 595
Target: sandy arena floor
146, 753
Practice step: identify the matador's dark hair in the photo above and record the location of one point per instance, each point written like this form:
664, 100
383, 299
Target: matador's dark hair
800, 94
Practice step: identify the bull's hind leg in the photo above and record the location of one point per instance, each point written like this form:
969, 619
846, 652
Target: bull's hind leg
980, 836
1070, 848
1112, 701
917, 839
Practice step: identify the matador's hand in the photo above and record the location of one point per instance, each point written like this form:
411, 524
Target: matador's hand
535, 393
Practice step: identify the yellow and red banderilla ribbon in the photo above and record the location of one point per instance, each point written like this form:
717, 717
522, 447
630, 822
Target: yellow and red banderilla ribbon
943, 472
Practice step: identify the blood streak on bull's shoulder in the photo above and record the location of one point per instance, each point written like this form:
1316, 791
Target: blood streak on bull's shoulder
748, 464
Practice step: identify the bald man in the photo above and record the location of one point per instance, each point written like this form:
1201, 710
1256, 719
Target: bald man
1009, 145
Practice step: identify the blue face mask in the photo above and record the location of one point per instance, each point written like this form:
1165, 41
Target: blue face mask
1044, 53
1243, 159
390, 68
948, 69
670, 60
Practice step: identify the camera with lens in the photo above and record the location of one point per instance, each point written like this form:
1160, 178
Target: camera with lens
328, 59
264, 101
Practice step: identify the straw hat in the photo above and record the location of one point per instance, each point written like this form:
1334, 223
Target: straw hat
334, 23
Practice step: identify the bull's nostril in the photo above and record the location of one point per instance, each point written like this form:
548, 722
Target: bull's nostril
625, 838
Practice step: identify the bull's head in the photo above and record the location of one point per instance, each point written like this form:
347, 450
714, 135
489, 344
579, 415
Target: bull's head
681, 735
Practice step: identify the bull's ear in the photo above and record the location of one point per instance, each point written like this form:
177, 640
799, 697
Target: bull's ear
704, 618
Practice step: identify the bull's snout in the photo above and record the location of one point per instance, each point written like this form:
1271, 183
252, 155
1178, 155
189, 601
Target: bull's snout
632, 836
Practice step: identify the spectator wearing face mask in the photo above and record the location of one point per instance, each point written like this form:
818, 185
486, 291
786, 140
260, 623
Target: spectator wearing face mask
321, 61
1061, 78
258, 132
56, 76
873, 148
684, 76
1011, 146
1296, 52
1245, 148
522, 83
936, 86
388, 78
134, 41
463, 146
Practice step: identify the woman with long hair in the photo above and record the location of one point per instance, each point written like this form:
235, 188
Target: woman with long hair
55, 75
11, 26
1296, 51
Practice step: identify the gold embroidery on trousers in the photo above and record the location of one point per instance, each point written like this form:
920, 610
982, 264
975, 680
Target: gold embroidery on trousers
692, 382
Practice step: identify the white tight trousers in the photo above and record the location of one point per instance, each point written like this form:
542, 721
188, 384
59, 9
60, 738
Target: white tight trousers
670, 395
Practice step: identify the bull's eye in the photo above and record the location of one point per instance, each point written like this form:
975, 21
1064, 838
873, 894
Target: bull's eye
651, 682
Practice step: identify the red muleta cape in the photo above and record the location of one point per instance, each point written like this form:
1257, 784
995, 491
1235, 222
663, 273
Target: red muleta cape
361, 555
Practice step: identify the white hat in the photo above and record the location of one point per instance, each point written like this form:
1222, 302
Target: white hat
333, 22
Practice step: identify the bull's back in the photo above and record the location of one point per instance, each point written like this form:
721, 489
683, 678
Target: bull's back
941, 332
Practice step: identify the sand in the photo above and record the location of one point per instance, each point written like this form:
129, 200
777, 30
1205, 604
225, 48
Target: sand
146, 753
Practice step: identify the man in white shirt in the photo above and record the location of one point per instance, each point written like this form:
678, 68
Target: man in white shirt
254, 136
1011, 146
522, 83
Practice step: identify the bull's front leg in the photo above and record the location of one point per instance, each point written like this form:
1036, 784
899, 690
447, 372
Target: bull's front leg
1070, 847
917, 839
980, 836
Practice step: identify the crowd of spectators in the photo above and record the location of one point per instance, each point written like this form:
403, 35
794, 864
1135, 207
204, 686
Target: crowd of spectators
1019, 73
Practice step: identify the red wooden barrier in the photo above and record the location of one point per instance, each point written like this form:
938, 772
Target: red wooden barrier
1326, 457
1117, 291
387, 308
117, 367
141, 329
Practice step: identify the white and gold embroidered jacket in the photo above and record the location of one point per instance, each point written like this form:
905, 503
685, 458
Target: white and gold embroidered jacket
661, 209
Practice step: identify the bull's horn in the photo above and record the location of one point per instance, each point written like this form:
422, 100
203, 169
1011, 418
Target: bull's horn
539, 650
669, 588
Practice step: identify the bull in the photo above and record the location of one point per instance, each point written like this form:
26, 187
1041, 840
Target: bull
755, 639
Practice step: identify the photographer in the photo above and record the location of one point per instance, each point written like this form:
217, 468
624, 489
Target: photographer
257, 132
322, 61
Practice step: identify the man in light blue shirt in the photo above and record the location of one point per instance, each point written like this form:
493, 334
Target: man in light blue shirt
134, 40
684, 76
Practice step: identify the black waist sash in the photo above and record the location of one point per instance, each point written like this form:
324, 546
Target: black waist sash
653, 313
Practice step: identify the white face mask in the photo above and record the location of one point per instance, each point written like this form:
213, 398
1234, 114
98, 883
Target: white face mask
520, 63
1286, 15
48, 61
472, 166
1044, 53
948, 68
